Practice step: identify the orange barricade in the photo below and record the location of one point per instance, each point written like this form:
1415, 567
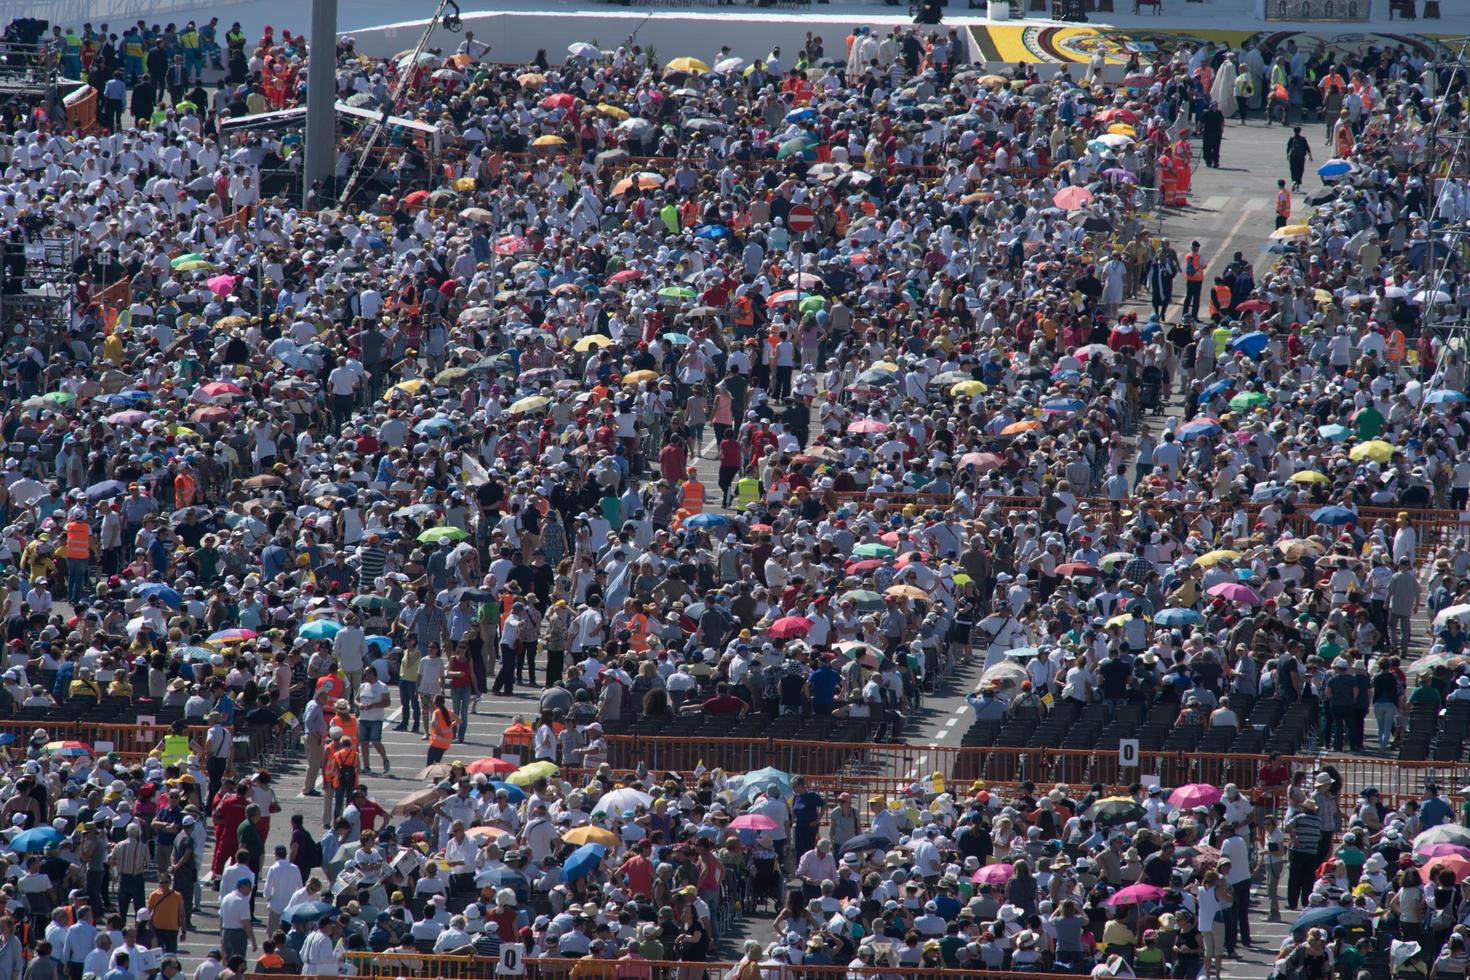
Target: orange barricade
126, 740
393, 963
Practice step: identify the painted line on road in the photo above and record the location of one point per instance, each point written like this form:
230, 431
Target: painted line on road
950, 723
1224, 248
1215, 203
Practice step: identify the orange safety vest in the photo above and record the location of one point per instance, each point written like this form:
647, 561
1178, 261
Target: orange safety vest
78, 541
638, 629
1283, 203
691, 496
1220, 299
1397, 347
516, 735
744, 311
441, 732
1333, 83
1344, 141
1194, 267
348, 724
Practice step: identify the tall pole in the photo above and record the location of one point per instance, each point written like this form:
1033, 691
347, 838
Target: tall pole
321, 97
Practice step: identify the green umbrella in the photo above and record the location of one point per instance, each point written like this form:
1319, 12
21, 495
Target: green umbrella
873, 550
1247, 400
792, 147
867, 601
58, 398
187, 257
436, 534
811, 304
375, 602
678, 339
676, 292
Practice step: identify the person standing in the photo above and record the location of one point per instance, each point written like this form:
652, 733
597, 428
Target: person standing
1211, 133
1238, 876
1159, 274
235, 926
167, 908
1194, 280
1298, 152
314, 721
1404, 595
1304, 832
1283, 204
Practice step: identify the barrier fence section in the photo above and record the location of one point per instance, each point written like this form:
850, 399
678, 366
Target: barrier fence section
885, 770
123, 739
451, 967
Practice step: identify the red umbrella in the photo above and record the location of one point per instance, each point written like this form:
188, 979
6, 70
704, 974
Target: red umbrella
866, 565
627, 275
908, 557
492, 766
1117, 115
211, 413
1453, 863
1077, 568
511, 244
1254, 306
981, 461
790, 628
561, 100
417, 199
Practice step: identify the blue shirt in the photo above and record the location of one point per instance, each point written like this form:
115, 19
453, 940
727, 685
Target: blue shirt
1433, 812
824, 682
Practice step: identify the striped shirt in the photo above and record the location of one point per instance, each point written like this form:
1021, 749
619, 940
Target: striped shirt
130, 857
1308, 830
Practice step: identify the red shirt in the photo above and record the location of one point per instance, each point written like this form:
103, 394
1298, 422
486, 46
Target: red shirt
723, 704
639, 871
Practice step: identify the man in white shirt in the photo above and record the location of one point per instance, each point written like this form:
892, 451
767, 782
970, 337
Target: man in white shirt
234, 922
372, 702
282, 880
1238, 874
319, 951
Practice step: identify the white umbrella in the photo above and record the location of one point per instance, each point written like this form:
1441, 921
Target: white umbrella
1430, 296
581, 49
1007, 675
1441, 618
635, 125
726, 65
621, 801
27, 492
1395, 292
424, 58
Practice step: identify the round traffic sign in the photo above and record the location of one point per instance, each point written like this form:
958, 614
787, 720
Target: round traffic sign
800, 218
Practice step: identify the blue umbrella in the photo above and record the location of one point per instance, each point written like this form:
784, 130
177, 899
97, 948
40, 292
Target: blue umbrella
106, 489
1334, 432
380, 643
35, 841
320, 629
1178, 617
1251, 344
581, 861
1334, 515
1064, 405
1214, 388
707, 520
1244, 575
866, 842
1066, 374
503, 878
1323, 916
436, 426
516, 794
801, 115
309, 912
712, 231
1267, 491
1191, 431
165, 594
878, 376
1333, 169
1427, 250
760, 781
1443, 396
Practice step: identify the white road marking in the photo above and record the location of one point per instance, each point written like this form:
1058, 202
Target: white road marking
1215, 203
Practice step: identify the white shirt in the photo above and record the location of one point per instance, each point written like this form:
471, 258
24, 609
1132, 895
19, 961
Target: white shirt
234, 911
282, 881
371, 692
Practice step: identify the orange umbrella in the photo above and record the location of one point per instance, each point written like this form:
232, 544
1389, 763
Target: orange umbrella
1016, 428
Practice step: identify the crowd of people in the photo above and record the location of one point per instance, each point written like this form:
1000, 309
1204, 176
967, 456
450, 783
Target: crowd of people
447, 439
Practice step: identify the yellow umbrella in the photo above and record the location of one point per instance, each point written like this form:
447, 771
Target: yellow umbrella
1374, 449
182, 432
994, 81
966, 389
410, 387
1123, 129
548, 140
1309, 476
593, 341
530, 403
1121, 619
1291, 231
526, 775
532, 79
612, 110
590, 835
690, 66
906, 592
884, 366
962, 578
1322, 296
465, 184
1212, 558
638, 377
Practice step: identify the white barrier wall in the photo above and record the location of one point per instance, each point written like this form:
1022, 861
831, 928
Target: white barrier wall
516, 37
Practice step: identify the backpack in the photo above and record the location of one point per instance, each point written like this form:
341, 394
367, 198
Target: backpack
313, 856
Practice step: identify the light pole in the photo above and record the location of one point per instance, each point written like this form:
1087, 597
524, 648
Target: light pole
321, 97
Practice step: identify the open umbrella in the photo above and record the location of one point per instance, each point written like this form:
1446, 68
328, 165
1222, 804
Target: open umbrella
1136, 895
588, 834
528, 774
1235, 592
504, 878
757, 822
789, 628
583, 861
436, 534
1178, 617
1114, 811
1072, 198
1375, 449
310, 912
1191, 795
617, 802
492, 766
994, 874
1334, 516
1444, 833
866, 842
319, 629
36, 840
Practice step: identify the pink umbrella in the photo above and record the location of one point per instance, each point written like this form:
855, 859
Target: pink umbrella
216, 388
981, 461
1235, 592
993, 874
1191, 795
867, 426
1072, 198
1443, 850
790, 628
222, 285
758, 822
129, 417
1136, 894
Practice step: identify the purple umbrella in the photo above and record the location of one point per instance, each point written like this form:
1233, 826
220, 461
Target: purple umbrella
1120, 175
